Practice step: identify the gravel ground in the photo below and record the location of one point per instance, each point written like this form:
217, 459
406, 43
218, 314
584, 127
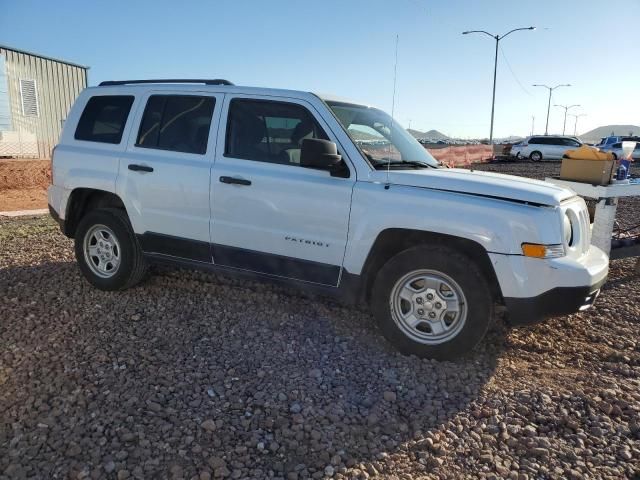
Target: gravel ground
199, 376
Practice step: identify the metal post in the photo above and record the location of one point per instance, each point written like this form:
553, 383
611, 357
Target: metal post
564, 125
575, 123
603, 223
533, 122
493, 98
546, 128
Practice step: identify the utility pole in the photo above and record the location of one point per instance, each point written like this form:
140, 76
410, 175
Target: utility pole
566, 108
497, 38
551, 89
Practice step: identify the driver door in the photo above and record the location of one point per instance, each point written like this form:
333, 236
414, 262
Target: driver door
270, 215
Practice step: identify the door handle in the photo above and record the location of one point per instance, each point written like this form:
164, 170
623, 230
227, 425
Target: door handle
140, 168
235, 181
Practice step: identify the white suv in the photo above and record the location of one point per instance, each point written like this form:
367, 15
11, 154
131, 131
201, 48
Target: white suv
313, 191
544, 147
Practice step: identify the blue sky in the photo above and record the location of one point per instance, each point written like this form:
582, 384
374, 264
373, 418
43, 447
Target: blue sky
346, 47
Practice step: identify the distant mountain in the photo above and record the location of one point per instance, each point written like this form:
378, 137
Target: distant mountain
360, 135
597, 133
431, 134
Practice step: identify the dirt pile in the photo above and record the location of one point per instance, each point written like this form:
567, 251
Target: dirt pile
23, 184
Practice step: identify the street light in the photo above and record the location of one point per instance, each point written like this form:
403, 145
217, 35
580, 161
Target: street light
551, 89
575, 124
566, 108
497, 38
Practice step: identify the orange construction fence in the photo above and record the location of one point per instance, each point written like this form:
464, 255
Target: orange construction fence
457, 156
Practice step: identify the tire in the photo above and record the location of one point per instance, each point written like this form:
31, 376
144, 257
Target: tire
466, 327
107, 251
535, 156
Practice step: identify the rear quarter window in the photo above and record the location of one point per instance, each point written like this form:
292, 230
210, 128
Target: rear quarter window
104, 118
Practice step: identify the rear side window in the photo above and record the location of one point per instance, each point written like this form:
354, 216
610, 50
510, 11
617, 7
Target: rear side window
268, 131
104, 118
179, 123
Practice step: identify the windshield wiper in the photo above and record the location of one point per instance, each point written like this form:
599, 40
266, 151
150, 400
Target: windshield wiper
382, 164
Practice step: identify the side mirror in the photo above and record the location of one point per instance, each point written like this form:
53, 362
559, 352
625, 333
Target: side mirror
317, 153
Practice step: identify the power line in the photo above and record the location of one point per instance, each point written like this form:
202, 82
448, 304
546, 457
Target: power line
513, 73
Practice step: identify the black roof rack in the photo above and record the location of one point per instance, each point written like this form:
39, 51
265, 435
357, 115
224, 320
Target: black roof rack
215, 81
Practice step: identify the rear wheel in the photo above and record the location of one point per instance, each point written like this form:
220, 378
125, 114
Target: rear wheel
432, 302
107, 251
535, 156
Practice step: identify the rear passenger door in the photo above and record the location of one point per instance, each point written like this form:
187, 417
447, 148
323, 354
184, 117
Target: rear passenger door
269, 214
164, 174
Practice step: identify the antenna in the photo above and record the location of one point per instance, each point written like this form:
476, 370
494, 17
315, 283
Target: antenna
393, 108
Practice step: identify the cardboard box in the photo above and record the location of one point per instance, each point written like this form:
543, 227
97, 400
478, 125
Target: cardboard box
596, 172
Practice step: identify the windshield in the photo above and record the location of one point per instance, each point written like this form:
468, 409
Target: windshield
381, 139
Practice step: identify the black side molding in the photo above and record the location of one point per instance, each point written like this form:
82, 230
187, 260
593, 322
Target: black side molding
175, 246
178, 248
277, 265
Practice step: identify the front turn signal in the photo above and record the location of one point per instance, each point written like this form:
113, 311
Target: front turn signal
537, 250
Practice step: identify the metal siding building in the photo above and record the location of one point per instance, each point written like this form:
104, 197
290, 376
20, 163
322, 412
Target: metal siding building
36, 93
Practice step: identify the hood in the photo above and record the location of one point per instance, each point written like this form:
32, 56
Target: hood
473, 182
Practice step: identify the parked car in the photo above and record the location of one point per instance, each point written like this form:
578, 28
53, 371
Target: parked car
607, 141
616, 148
270, 183
544, 147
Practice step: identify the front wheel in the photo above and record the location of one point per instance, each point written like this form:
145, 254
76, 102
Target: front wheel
432, 302
535, 156
107, 251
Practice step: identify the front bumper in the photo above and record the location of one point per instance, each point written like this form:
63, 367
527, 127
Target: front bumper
555, 302
534, 289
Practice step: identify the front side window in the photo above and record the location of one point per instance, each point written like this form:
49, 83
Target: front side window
104, 118
179, 123
381, 139
268, 131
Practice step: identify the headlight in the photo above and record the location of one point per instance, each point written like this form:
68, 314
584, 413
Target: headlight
568, 230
